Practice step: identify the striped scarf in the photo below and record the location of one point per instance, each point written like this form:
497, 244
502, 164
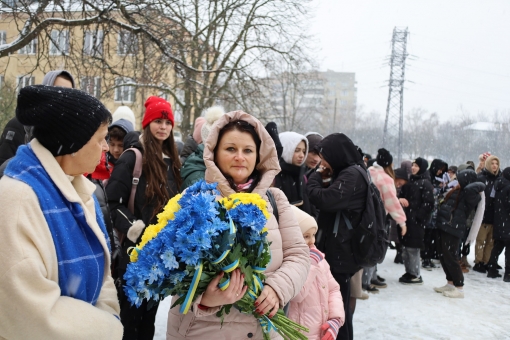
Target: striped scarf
80, 254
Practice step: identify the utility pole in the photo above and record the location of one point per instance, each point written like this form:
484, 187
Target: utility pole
393, 125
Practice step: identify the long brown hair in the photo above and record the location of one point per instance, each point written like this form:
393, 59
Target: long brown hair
155, 168
389, 171
241, 126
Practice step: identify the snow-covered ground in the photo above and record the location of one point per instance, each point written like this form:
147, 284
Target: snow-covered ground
417, 312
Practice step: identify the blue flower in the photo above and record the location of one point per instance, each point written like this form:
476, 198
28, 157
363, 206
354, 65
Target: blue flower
169, 259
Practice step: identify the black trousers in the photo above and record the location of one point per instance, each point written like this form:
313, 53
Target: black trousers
497, 250
429, 251
344, 280
138, 322
448, 251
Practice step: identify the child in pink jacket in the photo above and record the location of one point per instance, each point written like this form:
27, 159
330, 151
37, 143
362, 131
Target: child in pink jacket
319, 305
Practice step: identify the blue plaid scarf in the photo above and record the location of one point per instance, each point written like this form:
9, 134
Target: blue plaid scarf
80, 255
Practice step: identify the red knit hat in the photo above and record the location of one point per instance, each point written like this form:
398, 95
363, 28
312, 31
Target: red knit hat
157, 108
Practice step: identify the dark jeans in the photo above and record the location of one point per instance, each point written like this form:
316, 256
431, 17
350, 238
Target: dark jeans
448, 251
344, 280
429, 250
497, 250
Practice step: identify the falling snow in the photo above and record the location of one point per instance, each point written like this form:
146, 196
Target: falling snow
417, 312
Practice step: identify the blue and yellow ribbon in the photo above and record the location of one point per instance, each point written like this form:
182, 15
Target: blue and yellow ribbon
226, 252
258, 269
224, 285
231, 267
191, 291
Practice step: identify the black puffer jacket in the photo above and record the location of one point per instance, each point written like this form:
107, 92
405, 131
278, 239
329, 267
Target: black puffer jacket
118, 191
488, 178
419, 193
502, 207
291, 181
346, 193
190, 146
454, 211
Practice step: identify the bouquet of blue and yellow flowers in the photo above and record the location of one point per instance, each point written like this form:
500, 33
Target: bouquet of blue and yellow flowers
198, 237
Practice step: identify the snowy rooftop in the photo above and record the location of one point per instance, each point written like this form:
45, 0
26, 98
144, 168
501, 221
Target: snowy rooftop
484, 126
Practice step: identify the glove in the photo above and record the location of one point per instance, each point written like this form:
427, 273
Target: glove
135, 231
331, 327
315, 256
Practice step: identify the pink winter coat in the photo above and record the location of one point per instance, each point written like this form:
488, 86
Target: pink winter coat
290, 256
386, 186
319, 301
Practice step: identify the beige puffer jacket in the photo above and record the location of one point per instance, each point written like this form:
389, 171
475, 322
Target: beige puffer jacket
288, 269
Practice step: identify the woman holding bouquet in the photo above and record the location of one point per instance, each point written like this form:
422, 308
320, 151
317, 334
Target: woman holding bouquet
241, 157
55, 267
160, 181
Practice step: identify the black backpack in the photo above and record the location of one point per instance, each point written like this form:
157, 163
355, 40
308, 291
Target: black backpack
369, 241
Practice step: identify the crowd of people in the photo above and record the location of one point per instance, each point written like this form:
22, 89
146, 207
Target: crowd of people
80, 185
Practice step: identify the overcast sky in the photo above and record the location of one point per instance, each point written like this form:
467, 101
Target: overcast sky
459, 51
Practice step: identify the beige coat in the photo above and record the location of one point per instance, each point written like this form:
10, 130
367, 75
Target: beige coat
31, 305
288, 269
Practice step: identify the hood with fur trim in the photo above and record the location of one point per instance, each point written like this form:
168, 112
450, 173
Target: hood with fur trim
290, 141
488, 162
268, 165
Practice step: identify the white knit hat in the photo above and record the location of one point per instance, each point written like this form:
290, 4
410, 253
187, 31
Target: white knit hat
211, 115
305, 221
123, 112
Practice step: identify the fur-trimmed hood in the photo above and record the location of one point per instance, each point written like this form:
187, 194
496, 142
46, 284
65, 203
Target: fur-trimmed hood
268, 165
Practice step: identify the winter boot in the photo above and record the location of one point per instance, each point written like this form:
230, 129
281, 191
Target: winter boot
507, 277
465, 261
381, 279
371, 289
455, 293
409, 279
480, 267
463, 267
378, 284
493, 273
427, 264
444, 288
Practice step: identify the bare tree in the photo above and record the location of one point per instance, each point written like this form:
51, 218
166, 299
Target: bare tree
7, 103
191, 50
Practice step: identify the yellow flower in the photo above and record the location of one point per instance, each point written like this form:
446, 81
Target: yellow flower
168, 214
245, 198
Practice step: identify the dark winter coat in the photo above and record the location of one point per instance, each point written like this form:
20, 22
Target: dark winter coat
291, 180
118, 191
193, 168
12, 137
488, 178
437, 164
502, 209
105, 209
419, 193
347, 193
190, 146
454, 212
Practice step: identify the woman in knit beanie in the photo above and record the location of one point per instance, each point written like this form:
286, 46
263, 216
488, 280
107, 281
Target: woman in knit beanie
54, 246
160, 181
417, 198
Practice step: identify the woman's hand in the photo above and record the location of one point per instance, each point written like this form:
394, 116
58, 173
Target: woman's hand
267, 301
214, 296
404, 229
403, 202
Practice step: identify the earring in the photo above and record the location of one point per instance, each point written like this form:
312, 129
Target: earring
73, 154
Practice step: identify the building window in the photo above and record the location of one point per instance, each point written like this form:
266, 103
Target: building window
345, 93
93, 43
124, 92
127, 43
59, 43
91, 85
23, 81
3, 37
30, 48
